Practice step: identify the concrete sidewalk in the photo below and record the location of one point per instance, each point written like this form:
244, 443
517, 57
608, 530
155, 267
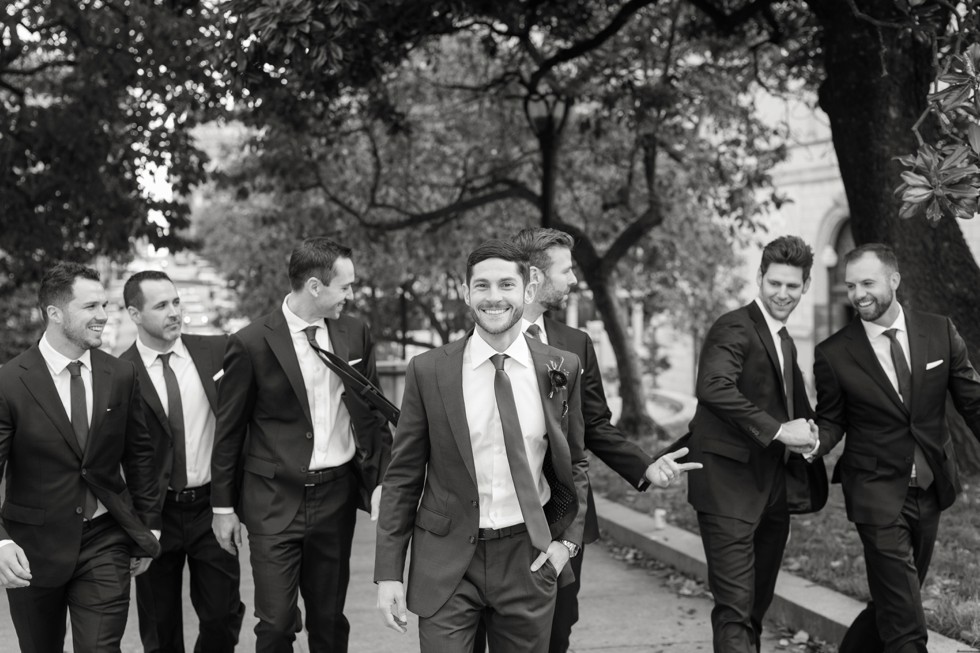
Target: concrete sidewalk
623, 609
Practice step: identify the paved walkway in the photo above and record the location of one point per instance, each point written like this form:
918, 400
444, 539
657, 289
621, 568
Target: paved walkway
624, 609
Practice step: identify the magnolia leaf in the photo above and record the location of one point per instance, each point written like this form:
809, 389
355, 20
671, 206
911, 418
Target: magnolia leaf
933, 212
908, 211
913, 179
973, 135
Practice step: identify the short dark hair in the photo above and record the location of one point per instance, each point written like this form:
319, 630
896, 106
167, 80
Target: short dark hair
314, 257
56, 286
133, 291
884, 253
536, 241
788, 250
498, 249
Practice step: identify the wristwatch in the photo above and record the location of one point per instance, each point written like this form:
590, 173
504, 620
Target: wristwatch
572, 547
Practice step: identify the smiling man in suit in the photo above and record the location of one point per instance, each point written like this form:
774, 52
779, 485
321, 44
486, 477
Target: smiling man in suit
315, 451
81, 494
491, 440
752, 408
177, 383
883, 381
549, 253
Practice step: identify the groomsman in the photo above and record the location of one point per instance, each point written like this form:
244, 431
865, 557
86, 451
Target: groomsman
549, 252
178, 375
298, 450
487, 477
883, 380
752, 411
81, 491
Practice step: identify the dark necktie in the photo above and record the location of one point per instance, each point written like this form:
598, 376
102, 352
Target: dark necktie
923, 473
79, 424
520, 470
310, 332
786, 345
534, 331
175, 414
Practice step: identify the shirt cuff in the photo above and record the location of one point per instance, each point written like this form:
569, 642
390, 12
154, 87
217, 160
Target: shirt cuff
778, 433
223, 511
4, 543
156, 533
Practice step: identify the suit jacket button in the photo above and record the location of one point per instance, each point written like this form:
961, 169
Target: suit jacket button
908, 459
78, 510
303, 469
84, 471
472, 539
309, 436
474, 504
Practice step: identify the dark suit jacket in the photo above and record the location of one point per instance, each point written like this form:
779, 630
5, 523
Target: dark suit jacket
207, 353
262, 394
601, 437
741, 405
855, 395
433, 459
47, 474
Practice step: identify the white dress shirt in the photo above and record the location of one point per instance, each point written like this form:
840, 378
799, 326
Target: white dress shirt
333, 444
499, 506
198, 417
882, 345
774, 327
58, 367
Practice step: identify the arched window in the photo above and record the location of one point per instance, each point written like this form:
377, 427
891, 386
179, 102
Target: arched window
839, 311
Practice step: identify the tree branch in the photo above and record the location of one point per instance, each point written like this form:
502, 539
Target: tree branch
729, 22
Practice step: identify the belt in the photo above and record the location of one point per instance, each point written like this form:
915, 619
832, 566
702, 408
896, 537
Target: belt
320, 476
497, 533
190, 494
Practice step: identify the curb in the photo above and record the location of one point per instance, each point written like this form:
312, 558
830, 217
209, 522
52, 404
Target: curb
799, 603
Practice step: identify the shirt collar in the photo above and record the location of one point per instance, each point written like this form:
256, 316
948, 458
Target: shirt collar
773, 324
149, 356
294, 322
58, 361
480, 351
874, 330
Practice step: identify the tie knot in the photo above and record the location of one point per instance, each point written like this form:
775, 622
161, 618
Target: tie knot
165, 358
75, 368
784, 334
498, 361
891, 333
534, 331
310, 332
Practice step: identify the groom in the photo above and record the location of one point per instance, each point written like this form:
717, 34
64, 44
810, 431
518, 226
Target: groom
491, 439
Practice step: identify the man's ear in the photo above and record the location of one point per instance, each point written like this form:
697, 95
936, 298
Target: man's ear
536, 275
134, 314
530, 291
466, 294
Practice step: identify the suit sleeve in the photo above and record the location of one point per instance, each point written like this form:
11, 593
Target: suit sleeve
403, 482
725, 349
964, 383
602, 438
580, 461
7, 429
139, 457
236, 396
831, 403
380, 430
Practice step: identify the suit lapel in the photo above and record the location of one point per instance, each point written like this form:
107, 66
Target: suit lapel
918, 351
147, 390
200, 355
281, 343
338, 339
39, 383
102, 379
555, 336
866, 359
554, 407
449, 370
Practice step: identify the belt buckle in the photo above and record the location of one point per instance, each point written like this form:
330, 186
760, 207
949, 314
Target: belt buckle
186, 496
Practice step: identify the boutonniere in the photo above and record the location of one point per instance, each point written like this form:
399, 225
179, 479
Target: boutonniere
557, 375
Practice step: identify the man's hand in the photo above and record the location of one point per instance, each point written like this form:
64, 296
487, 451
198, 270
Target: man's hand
557, 553
375, 503
228, 530
665, 469
138, 565
798, 433
812, 445
15, 570
391, 602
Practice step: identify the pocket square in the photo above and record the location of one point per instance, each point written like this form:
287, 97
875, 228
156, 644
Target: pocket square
217, 375
355, 361
933, 364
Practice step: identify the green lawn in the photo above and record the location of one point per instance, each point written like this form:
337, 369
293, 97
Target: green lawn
825, 548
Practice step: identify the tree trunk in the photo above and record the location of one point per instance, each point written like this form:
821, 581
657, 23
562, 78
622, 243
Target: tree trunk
877, 79
633, 419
